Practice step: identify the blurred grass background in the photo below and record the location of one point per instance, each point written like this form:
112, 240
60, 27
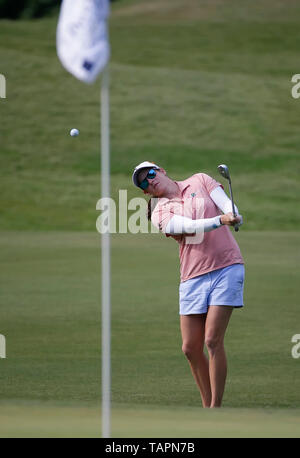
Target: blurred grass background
191, 87
193, 84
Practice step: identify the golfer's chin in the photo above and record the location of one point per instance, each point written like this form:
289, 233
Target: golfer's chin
157, 192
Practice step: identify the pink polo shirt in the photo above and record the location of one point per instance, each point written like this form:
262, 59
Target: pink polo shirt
205, 252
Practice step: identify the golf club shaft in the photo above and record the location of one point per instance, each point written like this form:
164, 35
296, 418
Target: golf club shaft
236, 228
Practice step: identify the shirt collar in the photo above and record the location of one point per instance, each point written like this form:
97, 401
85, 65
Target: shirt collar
182, 186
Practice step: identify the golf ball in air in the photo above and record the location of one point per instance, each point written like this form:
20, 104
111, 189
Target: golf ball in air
74, 132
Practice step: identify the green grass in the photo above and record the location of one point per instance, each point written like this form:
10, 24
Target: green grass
191, 86
36, 420
191, 422
50, 316
31, 420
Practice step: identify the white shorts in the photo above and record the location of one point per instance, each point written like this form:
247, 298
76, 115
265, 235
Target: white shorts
223, 286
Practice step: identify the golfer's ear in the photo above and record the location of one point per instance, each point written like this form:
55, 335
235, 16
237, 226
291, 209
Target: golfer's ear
163, 171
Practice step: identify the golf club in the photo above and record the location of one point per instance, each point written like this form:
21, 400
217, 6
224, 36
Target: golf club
224, 171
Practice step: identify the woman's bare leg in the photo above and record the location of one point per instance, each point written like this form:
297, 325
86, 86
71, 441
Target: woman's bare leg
215, 327
193, 335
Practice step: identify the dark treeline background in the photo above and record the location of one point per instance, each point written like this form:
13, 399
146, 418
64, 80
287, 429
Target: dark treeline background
28, 8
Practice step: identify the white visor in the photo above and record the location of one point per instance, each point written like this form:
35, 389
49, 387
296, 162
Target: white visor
142, 165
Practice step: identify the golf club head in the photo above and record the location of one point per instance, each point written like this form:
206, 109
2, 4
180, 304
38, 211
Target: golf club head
224, 171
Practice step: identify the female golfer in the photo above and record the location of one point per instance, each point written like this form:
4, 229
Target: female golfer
197, 213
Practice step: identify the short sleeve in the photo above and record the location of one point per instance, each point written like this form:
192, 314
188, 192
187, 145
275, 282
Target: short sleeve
163, 213
209, 183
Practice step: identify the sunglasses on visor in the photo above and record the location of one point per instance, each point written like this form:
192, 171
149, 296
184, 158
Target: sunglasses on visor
150, 175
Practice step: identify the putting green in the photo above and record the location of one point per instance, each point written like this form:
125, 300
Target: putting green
194, 422
143, 421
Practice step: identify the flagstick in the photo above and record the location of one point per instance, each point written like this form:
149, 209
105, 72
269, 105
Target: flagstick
105, 256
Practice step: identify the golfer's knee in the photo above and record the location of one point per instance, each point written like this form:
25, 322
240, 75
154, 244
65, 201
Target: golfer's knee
190, 350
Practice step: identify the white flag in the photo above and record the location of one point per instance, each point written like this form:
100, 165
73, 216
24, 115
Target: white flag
82, 39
